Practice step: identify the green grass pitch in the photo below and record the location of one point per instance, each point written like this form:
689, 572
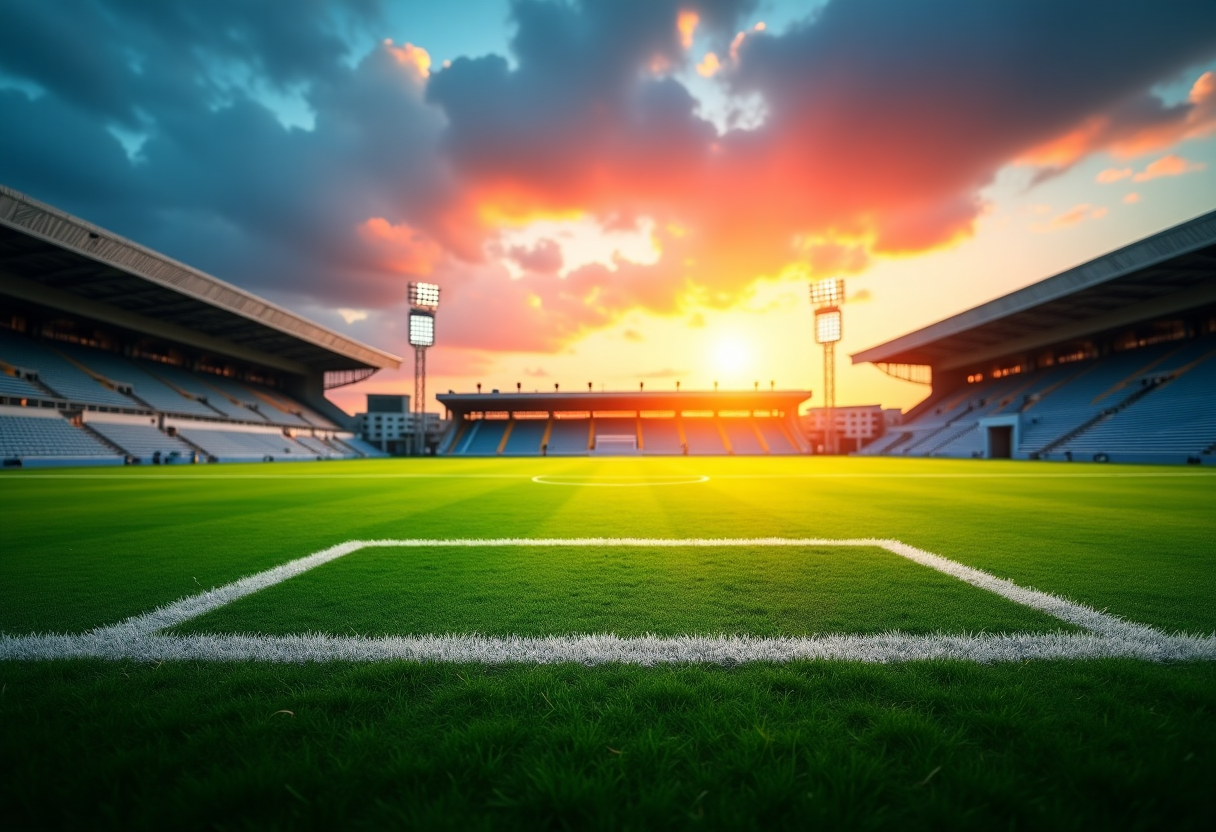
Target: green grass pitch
1063, 743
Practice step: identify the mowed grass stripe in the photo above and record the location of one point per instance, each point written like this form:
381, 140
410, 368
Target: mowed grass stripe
91, 551
119, 552
628, 591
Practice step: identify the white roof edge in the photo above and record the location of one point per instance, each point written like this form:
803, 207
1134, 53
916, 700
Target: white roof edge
257, 309
1188, 236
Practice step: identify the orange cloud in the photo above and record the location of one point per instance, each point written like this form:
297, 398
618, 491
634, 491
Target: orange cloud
1110, 175
863, 160
709, 65
400, 248
827, 257
686, 25
414, 58
1131, 199
735, 44
1067, 149
1199, 121
352, 316
1073, 216
1167, 166
1140, 127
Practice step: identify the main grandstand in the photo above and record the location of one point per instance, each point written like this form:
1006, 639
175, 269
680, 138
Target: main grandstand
693, 423
111, 353
1114, 360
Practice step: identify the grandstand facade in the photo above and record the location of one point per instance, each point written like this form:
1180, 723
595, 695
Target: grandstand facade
624, 424
112, 353
1111, 361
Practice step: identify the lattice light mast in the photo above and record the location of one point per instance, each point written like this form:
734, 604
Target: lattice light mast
424, 301
827, 296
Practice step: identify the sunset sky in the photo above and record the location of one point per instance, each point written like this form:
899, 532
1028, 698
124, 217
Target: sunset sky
616, 191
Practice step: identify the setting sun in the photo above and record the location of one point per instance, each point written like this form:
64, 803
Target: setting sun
731, 356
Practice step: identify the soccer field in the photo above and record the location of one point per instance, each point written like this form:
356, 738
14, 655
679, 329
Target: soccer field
690, 642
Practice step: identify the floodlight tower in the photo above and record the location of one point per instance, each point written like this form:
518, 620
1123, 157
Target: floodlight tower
827, 296
424, 300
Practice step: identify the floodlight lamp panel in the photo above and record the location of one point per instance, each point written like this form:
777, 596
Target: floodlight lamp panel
828, 292
424, 295
828, 326
422, 330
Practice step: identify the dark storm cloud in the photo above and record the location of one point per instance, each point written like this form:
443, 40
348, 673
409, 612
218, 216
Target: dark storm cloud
884, 118
219, 181
919, 104
124, 60
579, 104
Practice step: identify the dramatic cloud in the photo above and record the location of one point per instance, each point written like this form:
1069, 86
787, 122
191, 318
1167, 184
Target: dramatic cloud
1110, 175
254, 140
545, 257
339, 212
1167, 166
1073, 216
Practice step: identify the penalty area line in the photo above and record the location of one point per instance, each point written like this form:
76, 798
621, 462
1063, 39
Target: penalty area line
606, 648
140, 637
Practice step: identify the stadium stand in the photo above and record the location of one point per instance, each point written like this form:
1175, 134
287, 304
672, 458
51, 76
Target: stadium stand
356, 447
703, 436
62, 378
569, 436
1175, 418
777, 437
12, 385
235, 445
661, 435
144, 388
48, 437
485, 440
743, 436
94, 326
197, 387
615, 435
318, 447
618, 423
1110, 361
143, 441
526, 437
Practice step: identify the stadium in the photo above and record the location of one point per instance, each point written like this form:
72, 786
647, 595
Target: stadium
114, 354
228, 603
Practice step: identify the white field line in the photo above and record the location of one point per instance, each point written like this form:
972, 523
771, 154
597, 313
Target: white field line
138, 638
1053, 605
601, 649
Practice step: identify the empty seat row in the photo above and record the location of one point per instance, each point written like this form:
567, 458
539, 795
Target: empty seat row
236, 445
622, 434
142, 440
41, 436
13, 386
57, 373
94, 376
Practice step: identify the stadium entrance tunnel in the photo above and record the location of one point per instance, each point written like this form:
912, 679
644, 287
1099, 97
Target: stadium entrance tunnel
626, 481
1000, 442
